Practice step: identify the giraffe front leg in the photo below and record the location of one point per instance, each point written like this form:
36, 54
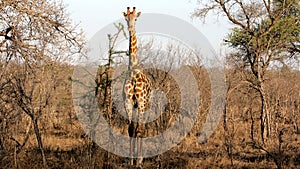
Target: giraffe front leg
140, 131
131, 132
131, 150
129, 107
140, 152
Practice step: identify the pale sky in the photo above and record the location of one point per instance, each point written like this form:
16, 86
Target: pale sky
95, 14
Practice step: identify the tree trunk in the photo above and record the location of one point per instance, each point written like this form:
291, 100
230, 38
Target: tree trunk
265, 116
252, 124
296, 128
39, 139
225, 116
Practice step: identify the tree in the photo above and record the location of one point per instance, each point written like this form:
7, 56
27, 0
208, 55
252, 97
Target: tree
266, 33
34, 36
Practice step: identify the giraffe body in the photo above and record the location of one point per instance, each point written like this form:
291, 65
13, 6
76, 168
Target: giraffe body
137, 89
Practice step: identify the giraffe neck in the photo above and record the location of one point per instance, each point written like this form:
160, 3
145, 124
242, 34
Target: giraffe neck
133, 60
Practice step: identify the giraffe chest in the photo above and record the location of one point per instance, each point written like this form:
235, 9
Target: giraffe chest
138, 85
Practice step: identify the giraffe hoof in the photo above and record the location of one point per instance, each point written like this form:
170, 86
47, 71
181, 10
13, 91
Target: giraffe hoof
139, 163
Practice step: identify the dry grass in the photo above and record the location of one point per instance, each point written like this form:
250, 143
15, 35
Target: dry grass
67, 146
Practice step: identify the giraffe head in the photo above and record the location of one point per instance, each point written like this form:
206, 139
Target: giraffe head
131, 17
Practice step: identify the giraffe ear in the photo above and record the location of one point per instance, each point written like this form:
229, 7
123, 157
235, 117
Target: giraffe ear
124, 14
138, 14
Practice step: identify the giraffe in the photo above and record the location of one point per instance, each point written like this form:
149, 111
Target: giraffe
137, 88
